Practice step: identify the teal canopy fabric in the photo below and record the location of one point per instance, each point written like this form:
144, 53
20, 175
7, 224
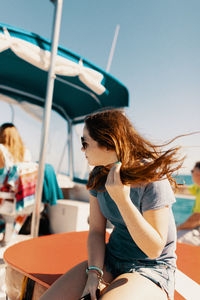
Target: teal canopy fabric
72, 98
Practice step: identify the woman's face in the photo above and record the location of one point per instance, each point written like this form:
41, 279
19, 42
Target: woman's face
196, 176
96, 156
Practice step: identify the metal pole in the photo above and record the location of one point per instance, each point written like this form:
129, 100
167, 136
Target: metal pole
112, 49
64, 149
70, 148
46, 117
12, 112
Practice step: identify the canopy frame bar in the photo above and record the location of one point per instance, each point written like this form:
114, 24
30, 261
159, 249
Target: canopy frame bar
42, 100
46, 117
35, 97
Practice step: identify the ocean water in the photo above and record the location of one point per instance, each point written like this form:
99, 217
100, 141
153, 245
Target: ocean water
182, 208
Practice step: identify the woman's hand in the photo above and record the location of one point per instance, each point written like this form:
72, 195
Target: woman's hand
114, 186
91, 285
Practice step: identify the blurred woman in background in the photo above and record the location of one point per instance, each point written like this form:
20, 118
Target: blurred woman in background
12, 148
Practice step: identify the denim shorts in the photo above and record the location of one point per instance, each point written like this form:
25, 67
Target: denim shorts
161, 273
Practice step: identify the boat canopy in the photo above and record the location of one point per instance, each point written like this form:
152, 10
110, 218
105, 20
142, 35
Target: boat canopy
80, 87
37, 71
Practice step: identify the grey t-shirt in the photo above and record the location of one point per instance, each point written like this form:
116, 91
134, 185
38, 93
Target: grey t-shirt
154, 195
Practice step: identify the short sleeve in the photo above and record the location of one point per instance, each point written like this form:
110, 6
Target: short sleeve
192, 189
93, 193
157, 195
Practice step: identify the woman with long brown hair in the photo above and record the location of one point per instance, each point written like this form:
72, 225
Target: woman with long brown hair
12, 149
129, 186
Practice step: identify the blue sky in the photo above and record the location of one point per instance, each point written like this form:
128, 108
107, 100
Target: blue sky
157, 57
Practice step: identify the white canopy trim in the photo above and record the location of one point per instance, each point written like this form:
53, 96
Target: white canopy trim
41, 59
35, 111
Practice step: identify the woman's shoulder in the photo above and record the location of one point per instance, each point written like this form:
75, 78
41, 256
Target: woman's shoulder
161, 184
161, 189
154, 185
193, 188
157, 194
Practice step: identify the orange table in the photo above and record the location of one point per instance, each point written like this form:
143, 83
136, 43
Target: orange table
46, 258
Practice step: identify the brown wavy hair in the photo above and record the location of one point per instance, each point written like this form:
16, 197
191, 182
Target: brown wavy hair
142, 161
10, 138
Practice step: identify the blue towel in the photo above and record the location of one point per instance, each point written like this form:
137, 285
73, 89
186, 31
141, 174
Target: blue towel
51, 191
2, 225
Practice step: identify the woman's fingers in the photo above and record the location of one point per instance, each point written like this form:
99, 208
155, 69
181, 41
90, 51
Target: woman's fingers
89, 295
110, 177
116, 172
93, 295
114, 186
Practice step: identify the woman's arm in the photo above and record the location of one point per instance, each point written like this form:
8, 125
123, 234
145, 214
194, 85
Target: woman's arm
96, 238
149, 231
96, 246
192, 222
182, 189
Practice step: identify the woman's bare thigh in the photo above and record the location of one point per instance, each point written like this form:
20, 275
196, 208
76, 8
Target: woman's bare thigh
133, 286
69, 286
